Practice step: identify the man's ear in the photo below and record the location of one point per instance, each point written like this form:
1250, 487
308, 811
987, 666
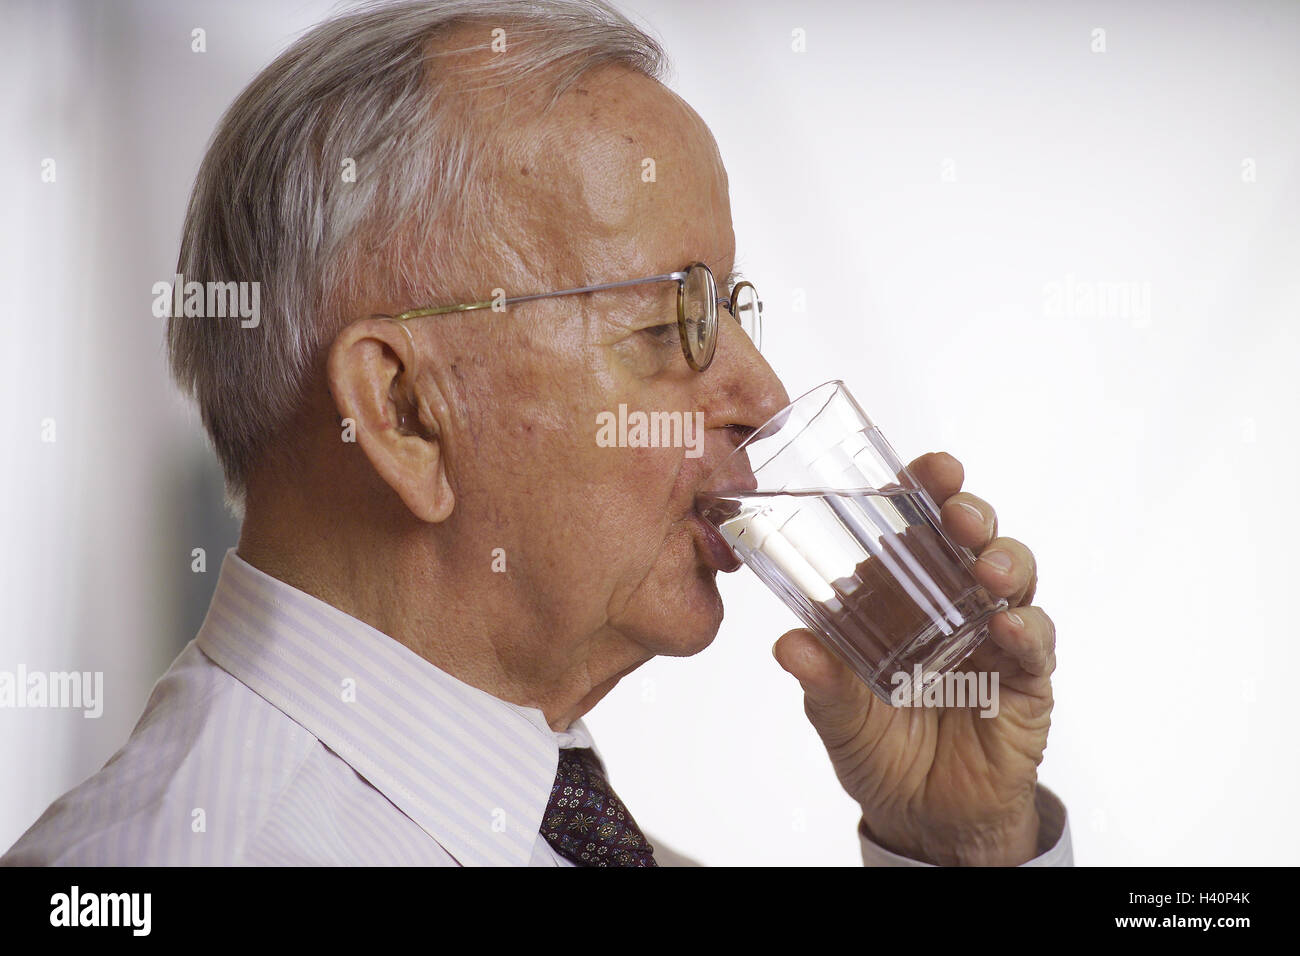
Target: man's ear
372, 372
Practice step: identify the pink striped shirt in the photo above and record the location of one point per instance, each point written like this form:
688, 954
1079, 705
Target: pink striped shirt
288, 732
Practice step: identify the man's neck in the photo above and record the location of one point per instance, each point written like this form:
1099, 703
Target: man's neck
420, 602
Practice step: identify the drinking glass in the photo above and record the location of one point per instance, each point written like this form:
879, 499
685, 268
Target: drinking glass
819, 505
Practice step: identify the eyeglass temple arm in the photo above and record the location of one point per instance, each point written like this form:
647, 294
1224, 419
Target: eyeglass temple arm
472, 306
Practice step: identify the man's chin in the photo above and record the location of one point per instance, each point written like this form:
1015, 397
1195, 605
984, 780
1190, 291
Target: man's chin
696, 620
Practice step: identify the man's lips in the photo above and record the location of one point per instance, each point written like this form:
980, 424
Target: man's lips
713, 547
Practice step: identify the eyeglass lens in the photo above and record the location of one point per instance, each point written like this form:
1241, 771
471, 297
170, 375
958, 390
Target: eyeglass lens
700, 314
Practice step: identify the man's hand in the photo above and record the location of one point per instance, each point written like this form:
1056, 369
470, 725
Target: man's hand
945, 785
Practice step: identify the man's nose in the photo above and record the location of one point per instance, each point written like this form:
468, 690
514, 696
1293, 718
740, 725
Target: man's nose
742, 389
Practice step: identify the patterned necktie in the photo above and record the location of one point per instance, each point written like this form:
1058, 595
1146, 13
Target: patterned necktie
585, 820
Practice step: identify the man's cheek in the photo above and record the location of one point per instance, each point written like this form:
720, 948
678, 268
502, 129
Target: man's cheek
637, 530
656, 471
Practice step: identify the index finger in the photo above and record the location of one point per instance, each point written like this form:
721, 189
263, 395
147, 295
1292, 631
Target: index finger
939, 473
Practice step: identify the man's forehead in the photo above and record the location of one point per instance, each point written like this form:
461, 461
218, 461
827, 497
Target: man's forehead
616, 133
623, 164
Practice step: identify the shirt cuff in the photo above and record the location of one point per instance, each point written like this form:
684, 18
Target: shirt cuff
1054, 847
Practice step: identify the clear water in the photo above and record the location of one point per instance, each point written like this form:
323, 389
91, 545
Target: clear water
868, 570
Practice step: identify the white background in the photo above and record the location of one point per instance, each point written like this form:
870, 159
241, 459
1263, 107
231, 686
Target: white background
924, 173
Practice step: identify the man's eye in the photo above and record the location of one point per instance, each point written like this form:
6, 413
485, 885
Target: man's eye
664, 333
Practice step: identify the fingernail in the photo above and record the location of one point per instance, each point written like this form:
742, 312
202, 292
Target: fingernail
997, 559
972, 509
1016, 619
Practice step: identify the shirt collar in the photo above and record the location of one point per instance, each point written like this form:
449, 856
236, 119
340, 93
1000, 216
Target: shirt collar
473, 771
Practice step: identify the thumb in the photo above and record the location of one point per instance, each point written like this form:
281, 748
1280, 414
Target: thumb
835, 699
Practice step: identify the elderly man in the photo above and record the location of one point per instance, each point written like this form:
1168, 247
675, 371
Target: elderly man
440, 569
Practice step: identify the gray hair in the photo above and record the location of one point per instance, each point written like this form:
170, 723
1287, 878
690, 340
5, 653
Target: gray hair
380, 87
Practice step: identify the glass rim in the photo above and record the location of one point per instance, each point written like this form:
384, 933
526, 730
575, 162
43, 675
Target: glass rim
761, 433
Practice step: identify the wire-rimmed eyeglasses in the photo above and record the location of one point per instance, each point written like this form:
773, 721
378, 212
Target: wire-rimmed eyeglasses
697, 309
